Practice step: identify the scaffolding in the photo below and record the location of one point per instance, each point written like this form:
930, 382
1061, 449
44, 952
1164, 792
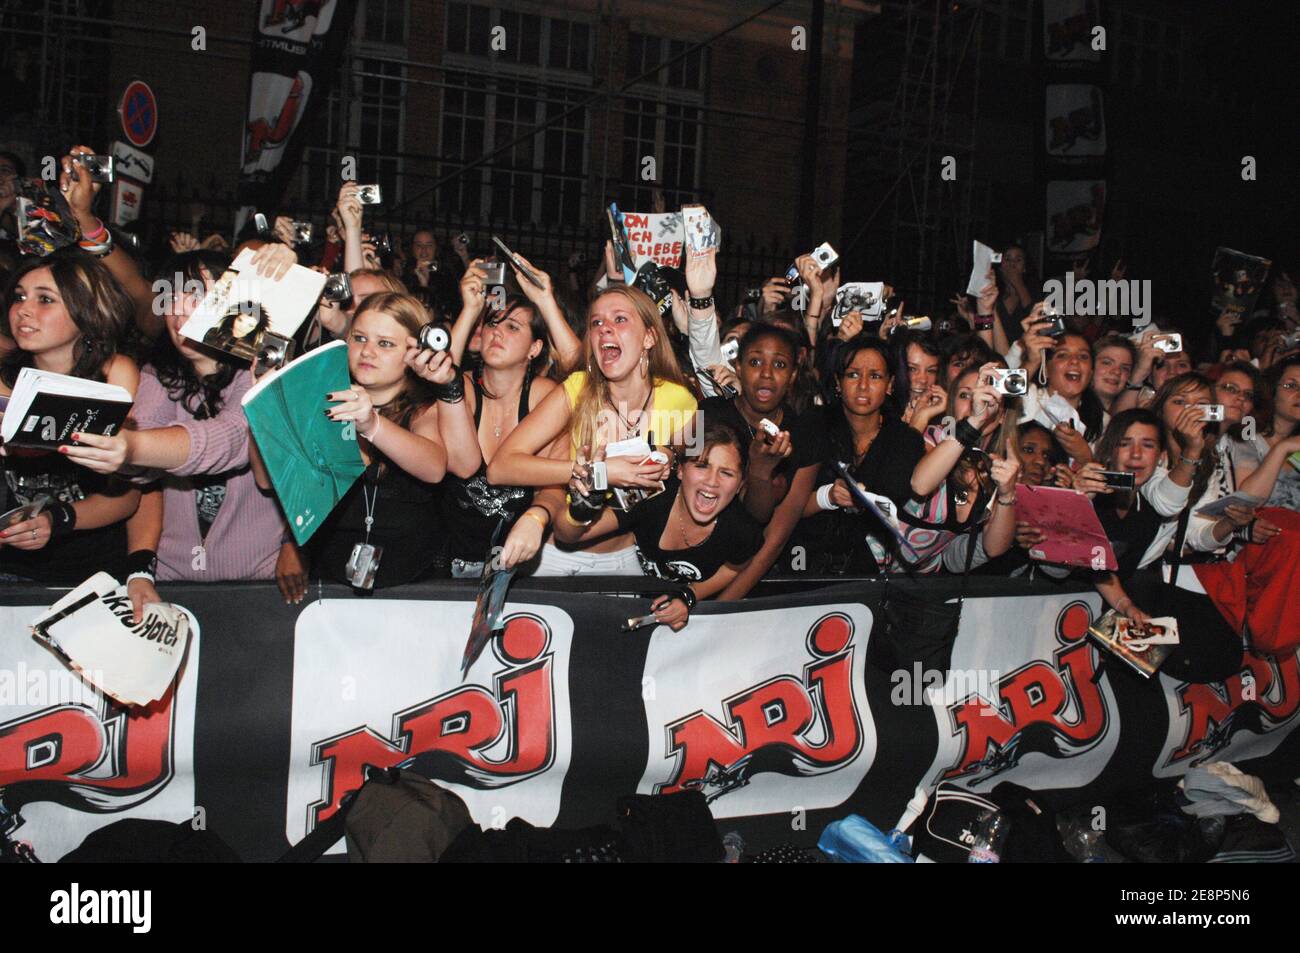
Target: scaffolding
911, 222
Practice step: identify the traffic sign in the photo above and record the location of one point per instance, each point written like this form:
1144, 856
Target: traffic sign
138, 111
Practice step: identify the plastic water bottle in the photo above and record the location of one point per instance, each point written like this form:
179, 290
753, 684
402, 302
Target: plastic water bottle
990, 835
734, 845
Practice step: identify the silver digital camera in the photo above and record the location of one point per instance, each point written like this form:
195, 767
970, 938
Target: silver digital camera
1011, 382
362, 565
273, 350
731, 351
1211, 413
369, 195
495, 271
301, 232
1169, 343
99, 168
825, 256
338, 287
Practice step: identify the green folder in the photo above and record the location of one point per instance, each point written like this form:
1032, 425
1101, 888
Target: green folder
312, 460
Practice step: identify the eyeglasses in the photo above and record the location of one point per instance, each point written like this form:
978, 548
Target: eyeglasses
1236, 391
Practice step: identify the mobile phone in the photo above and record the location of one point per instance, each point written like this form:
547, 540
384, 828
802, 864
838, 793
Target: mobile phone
259, 223
1118, 479
514, 260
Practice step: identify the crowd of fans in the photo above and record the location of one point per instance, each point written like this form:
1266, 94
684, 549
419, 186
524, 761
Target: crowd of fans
504, 435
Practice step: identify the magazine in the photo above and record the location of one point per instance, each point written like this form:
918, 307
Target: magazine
1142, 646
245, 312
1238, 280
1073, 533
702, 230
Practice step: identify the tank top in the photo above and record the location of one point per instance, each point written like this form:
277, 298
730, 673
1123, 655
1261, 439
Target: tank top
472, 508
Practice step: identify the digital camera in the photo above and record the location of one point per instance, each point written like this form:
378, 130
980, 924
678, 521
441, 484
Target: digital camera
1056, 327
369, 195
1011, 381
362, 565
1169, 343
495, 272
731, 351
301, 232
99, 168
1118, 479
1211, 413
273, 350
825, 256
338, 287
434, 337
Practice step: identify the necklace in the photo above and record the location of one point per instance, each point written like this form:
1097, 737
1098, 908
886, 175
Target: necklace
640, 414
681, 529
859, 454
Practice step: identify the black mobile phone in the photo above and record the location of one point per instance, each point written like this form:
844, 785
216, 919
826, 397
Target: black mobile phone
1118, 479
514, 260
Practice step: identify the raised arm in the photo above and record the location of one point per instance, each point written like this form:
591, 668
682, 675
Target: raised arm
473, 290
777, 534
565, 345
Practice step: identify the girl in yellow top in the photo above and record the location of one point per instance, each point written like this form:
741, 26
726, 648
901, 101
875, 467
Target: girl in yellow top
631, 387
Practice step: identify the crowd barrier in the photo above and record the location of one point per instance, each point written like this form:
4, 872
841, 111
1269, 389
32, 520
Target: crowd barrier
769, 706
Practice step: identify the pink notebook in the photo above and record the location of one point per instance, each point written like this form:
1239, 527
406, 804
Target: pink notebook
1073, 531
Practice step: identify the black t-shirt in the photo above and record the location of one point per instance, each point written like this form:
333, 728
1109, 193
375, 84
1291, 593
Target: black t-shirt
1130, 535
735, 539
833, 540
807, 445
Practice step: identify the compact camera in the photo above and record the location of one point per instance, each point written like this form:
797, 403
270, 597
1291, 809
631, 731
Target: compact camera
301, 232
1118, 479
1211, 413
363, 564
731, 351
599, 475
463, 239
338, 287
791, 276
369, 195
100, 168
383, 244
754, 294
495, 272
1056, 325
1169, 343
825, 256
1011, 382
769, 428
434, 337
273, 350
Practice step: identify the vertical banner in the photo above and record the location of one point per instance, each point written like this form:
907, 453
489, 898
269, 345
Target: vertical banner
1072, 160
296, 49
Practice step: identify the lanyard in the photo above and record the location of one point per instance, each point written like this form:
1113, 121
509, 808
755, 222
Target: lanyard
370, 505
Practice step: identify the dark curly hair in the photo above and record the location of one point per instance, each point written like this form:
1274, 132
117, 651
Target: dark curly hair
201, 396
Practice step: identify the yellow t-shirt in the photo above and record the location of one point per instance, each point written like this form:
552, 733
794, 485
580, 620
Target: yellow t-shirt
671, 409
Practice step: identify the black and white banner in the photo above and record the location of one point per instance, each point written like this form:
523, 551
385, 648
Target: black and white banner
770, 706
297, 45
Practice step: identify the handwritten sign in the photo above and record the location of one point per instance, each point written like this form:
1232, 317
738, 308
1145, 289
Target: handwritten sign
655, 237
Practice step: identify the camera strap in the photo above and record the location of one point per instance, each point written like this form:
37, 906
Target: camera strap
371, 502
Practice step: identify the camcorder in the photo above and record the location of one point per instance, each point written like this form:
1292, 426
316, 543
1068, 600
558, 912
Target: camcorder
434, 337
273, 350
369, 195
1011, 382
99, 168
338, 288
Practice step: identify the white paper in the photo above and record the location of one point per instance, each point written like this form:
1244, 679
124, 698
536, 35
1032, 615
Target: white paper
134, 664
285, 303
1057, 410
1220, 506
984, 258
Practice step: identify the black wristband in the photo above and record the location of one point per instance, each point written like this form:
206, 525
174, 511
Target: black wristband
142, 560
966, 433
700, 304
687, 595
584, 509
63, 519
983, 322
453, 392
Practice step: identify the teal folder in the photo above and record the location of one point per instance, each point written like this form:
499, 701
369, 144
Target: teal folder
312, 460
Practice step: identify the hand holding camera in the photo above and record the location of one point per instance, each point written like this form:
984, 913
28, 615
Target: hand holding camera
1092, 479
985, 401
349, 208
1189, 432
428, 356
79, 187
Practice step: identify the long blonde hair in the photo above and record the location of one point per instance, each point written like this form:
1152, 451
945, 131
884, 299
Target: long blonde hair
594, 396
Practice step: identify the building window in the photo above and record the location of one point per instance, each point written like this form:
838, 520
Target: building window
494, 96
644, 52
663, 119
382, 21
540, 178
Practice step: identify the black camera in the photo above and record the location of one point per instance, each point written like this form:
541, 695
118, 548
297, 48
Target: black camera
434, 337
100, 168
1118, 479
1056, 327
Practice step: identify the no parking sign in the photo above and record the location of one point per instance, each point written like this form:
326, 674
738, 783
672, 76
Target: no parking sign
139, 113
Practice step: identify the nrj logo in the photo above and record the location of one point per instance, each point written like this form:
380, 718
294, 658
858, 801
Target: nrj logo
1054, 708
800, 725
1109, 298
1264, 696
451, 736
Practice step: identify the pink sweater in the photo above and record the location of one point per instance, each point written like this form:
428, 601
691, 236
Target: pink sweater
244, 541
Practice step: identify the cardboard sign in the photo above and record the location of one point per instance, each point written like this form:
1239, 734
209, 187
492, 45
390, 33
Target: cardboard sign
655, 237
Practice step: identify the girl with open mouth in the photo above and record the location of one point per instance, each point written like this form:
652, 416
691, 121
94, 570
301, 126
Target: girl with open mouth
700, 535
630, 388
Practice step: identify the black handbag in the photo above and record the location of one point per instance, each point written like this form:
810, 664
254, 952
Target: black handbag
669, 828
